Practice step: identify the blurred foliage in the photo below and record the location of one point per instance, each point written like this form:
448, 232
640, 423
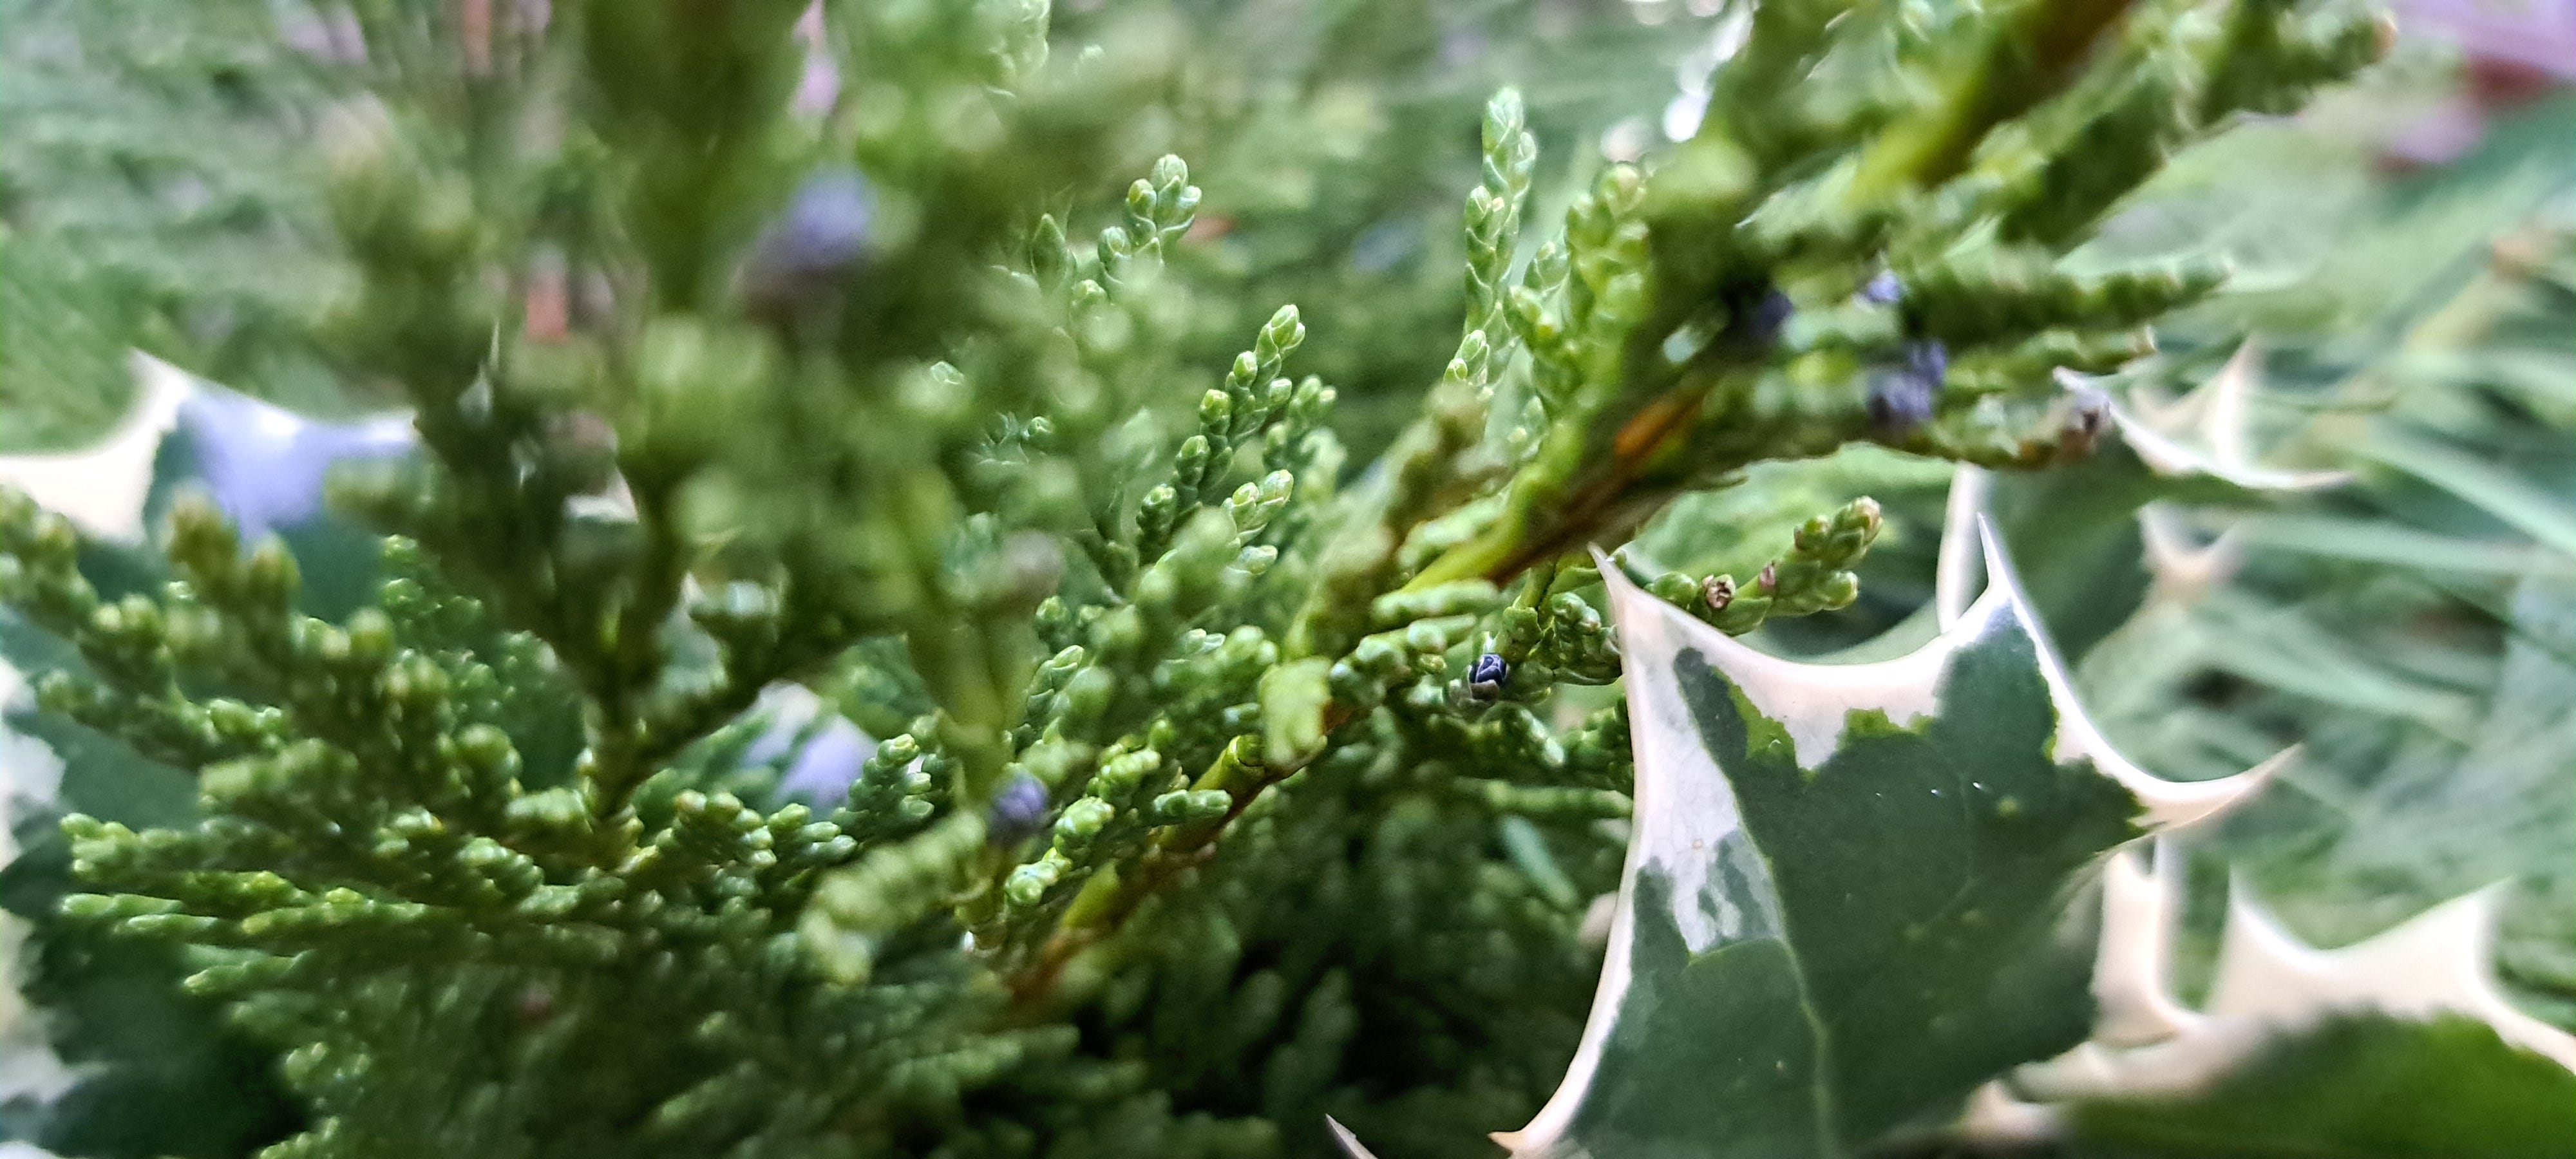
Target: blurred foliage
150, 197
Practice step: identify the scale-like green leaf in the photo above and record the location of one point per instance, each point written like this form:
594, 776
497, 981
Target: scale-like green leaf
1847, 895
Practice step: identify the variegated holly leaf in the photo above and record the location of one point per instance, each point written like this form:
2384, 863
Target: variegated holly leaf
1848, 894
265, 467
2400, 1045
2221, 411
2077, 528
104, 488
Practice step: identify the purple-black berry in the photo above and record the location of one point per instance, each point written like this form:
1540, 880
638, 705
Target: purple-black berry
1903, 397
816, 242
1018, 811
1768, 316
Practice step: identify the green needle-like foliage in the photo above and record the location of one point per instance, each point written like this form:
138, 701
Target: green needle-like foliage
1116, 421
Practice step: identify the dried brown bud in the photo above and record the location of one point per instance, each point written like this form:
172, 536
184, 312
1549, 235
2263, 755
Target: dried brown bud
1718, 591
2088, 414
536, 1004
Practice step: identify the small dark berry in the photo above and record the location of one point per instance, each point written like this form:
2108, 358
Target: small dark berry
1018, 811
819, 239
1768, 316
1484, 682
1898, 402
1902, 398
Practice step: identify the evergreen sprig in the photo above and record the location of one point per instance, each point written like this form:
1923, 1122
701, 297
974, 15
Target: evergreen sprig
1192, 756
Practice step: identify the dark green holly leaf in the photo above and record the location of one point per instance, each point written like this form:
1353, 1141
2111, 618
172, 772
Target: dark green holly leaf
2359, 1086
